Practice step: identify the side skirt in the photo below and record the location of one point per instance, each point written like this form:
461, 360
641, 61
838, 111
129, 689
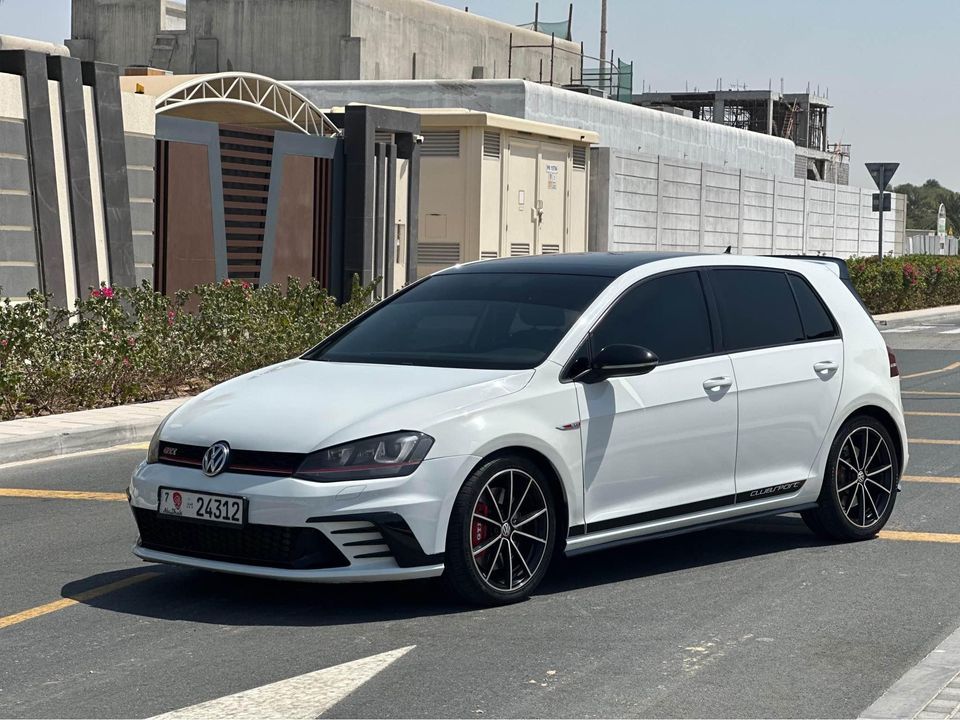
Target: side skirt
572, 552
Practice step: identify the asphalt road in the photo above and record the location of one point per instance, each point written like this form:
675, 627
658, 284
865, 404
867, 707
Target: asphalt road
754, 620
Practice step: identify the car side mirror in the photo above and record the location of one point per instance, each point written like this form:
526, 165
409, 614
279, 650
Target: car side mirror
620, 361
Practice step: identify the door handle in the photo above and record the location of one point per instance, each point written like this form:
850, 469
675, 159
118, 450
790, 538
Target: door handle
825, 367
717, 384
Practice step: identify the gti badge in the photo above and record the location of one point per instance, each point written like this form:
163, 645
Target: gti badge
215, 458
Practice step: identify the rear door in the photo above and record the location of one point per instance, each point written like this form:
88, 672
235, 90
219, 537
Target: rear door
787, 359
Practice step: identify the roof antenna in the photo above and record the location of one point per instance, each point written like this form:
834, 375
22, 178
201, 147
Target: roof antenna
727, 251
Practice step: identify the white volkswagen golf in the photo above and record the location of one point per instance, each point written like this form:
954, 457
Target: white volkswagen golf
496, 414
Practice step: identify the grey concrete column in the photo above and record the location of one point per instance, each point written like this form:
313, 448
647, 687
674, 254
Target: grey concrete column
740, 214
803, 124
806, 205
66, 71
360, 191
833, 239
703, 206
718, 107
773, 223
770, 116
379, 221
600, 206
408, 149
659, 201
104, 80
390, 234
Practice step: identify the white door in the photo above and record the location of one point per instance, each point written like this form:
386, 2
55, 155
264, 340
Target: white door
552, 200
662, 444
521, 203
787, 357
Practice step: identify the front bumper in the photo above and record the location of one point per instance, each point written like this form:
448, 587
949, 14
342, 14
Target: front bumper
393, 529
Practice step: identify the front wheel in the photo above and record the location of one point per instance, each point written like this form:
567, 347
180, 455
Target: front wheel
502, 532
859, 485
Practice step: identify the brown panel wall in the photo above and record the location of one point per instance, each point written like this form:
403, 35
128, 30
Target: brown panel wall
185, 218
294, 254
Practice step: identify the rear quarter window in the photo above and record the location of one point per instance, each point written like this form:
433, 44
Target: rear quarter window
816, 320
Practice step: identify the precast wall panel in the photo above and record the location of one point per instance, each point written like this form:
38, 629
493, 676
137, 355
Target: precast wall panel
656, 203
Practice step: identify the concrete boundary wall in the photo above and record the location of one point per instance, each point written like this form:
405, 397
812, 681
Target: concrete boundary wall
649, 202
64, 204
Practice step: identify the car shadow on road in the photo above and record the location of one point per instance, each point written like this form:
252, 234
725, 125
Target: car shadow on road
196, 596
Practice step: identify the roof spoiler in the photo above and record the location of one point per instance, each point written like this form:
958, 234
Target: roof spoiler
842, 270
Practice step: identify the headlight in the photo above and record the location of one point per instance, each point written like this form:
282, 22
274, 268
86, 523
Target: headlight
153, 452
384, 456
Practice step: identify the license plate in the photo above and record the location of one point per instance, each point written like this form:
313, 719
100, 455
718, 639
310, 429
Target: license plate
201, 506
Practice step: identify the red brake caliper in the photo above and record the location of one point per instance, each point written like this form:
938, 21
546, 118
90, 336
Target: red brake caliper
481, 529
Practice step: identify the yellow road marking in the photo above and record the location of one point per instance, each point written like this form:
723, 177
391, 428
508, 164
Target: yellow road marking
948, 368
936, 393
62, 494
931, 479
928, 441
40, 610
919, 536
932, 414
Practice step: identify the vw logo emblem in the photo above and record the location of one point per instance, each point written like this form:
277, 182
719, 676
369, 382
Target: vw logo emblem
215, 458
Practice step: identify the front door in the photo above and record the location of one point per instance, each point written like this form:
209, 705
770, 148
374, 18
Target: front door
662, 444
787, 357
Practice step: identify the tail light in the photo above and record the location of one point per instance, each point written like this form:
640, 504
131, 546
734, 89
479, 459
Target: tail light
894, 368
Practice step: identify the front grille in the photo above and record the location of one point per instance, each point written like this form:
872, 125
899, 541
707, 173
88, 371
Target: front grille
263, 545
250, 462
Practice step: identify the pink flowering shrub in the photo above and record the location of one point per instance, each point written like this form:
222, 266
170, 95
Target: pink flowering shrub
909, 282
122, 345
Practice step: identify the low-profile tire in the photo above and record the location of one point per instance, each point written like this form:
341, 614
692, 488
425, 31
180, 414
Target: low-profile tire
859, 485
502, 532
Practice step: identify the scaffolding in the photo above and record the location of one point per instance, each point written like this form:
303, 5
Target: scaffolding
611, 78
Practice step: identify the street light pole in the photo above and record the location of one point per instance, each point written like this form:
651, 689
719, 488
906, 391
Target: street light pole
603, 36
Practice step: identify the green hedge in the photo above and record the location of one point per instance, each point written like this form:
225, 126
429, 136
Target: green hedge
908, 282
128, 345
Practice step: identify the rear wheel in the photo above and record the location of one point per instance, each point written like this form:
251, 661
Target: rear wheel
502, 532
860, 483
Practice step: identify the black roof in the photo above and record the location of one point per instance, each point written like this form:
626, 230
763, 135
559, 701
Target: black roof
603, 264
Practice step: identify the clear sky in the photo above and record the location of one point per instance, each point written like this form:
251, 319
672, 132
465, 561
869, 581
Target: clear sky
891, 66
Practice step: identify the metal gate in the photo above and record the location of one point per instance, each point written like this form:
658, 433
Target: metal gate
244, 203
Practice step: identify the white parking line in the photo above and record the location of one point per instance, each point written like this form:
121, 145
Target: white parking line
904, 329
955, 331
303, 696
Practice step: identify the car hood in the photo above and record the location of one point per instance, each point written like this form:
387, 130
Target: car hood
304, 405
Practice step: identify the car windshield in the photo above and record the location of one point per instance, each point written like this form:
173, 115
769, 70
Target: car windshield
468, 320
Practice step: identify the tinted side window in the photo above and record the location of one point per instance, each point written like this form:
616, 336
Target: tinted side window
757, 309
817, 324
667, 315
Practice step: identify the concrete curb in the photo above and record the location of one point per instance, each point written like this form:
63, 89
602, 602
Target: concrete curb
55, 435
918, 314
927, 691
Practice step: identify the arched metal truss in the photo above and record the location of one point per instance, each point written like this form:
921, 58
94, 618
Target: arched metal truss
266, 94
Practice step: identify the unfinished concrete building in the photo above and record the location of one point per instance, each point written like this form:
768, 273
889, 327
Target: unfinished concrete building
314, 39
799, 117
